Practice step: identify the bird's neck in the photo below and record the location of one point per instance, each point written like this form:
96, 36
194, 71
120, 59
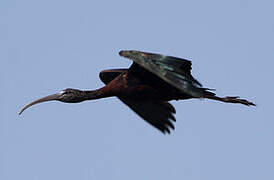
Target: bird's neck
96, 94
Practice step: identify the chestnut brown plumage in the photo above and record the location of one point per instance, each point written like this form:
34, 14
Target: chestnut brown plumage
146, 87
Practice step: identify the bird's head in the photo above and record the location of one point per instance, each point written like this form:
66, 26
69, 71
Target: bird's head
70, 96
67, 95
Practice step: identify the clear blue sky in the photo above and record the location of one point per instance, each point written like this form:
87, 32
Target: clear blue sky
47, 46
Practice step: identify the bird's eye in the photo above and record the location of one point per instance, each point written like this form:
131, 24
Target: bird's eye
63, 92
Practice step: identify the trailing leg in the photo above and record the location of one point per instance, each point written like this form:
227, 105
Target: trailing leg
231, 99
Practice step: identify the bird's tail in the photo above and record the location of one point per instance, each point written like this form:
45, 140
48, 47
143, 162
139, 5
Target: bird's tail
230, 99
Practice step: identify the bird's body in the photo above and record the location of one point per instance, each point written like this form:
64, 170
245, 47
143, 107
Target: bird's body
146, 87
139, 87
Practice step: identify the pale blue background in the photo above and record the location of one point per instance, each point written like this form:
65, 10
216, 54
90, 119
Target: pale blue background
47, 46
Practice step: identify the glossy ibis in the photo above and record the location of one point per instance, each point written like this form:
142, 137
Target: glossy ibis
146, 87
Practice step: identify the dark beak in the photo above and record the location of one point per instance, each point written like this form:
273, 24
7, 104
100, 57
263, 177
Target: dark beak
44, 99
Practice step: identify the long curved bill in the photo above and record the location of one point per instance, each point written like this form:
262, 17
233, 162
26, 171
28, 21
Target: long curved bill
44, 99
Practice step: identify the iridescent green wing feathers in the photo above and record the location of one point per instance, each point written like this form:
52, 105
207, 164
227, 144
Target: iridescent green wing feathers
177, 65
173, 70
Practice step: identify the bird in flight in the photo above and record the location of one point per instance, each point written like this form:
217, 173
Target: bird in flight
146, 87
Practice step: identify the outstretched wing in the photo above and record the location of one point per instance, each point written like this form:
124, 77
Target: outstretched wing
173, 70
158, 114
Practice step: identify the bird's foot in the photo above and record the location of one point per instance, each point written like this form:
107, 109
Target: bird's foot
236, 99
